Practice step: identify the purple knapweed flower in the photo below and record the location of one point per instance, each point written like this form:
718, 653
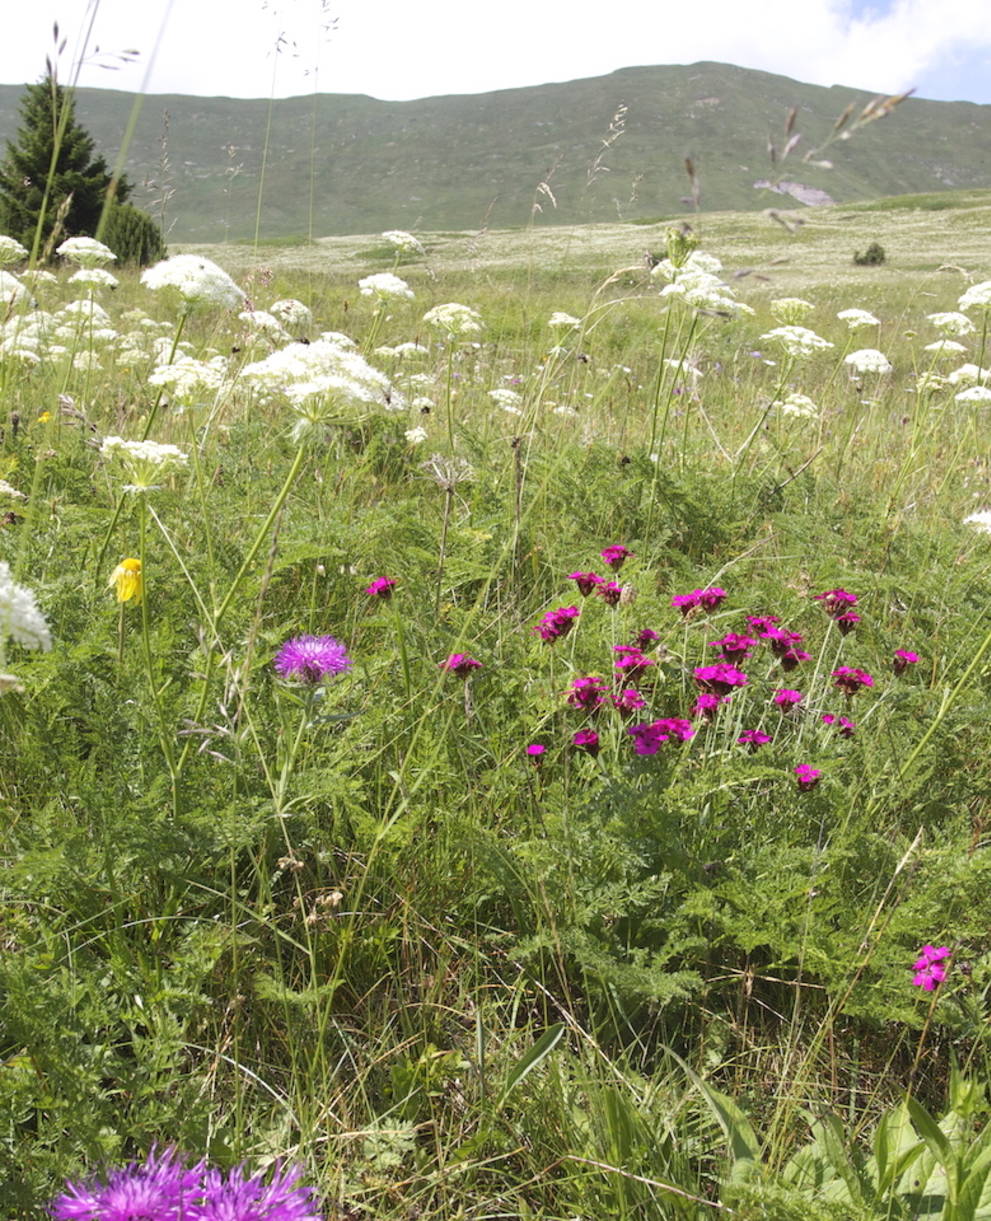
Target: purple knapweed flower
734, 647
161, 1188
850, 680
844, 726
237, 1197
836, 601
754, 738
557, 623
903, 659
615, 555
381, 587
587, 693
928, 967
310, 659
786, 698
586, 581
647, 739
807, 777
610, 592
586, 740
720, 679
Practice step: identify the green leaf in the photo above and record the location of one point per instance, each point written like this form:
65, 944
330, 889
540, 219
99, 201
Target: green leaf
529, 1061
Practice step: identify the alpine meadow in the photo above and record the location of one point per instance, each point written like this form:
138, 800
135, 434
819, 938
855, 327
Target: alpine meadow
495, 720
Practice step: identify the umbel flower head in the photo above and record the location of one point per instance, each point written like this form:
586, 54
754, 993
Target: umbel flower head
20, 618
456, 321
127, 582
385, 284
146, 462
86, 252
311, 659
11, 250
198, 282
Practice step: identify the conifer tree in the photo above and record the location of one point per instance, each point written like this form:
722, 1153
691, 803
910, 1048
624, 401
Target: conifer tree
50, 173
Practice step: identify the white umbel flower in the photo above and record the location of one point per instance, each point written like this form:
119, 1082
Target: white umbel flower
383, 285
198, 282
86, 252
978, 395
94, 277
20, 618
978, 296
797, 340
980, 521
868, 360
952, 323
857, 318
454, 320
11, 289
558, 318
790, 310
11, 250
945, 347
292, 313
145, 462
404, 243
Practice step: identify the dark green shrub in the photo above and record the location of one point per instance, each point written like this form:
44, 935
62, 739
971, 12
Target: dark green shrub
873, 256
133, 236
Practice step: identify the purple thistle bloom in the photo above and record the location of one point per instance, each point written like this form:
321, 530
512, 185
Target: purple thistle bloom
381, 587
903, 659
807, 777
786, 697
586, 581
587, 740
557, 623
162, 1188
753, 738
311, 658
615, 555
234, 1197
928, 968
460, 664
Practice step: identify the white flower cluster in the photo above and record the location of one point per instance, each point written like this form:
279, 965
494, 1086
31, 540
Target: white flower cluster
37, 275
12, 290
188, 379
405, 243
20, 618
978, 395
94, 277
559, 319
508, 400
968, 375
857, 318
454, 320
797, 340
952, 323
790, 310
980, 521
799, 406
868, 360
402, 351
697, 285
292, 313
86, 252
978, 296
11, 250
144, 461
383, 285
197, 281
263, 324
945, 347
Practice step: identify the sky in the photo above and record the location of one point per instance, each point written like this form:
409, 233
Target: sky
402, 49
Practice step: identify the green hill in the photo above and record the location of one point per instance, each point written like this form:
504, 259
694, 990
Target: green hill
608, 148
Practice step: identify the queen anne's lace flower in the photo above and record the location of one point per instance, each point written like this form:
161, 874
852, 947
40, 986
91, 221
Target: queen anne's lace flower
978, 296
868, 360
790, 310
979, 395
797, 340
94, 277
405, 243
11, 250
20, 618
292, 313
857, 318
383, 284
945, 347
952, 323
454, 319
197, 281
11, 289
86, 252
563, 320
981, 520
799, 405
146, 462
968, 375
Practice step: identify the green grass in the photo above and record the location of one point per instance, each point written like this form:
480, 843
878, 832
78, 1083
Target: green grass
357, 926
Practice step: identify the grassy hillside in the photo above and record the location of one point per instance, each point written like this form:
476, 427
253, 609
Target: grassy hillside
337, 164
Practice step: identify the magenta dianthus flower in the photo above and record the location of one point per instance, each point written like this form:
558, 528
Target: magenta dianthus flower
646, 638
836, 601
381, 587
903, 659
610, 592
629, 701
708, 599
844, 726
720, 679
587, 740
707, 705
850, 680
647, 739
762, 624
460, 664
807, 777
734, 647
557, 623
586, 581
310, 659
928, 967
846, 622
615, 555
587, 693
535, 753
753, 738
161, 1188
786, 697
791, 657
631, 664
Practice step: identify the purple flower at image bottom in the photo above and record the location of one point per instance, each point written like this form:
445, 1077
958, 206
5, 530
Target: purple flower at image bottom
235, 1196
161, 1188
310, 659
928, 967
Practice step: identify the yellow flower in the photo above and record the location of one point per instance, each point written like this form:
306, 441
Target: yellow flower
126, 578
44, 417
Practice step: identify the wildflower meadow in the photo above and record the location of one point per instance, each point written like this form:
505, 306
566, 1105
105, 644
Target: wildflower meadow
506, 740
